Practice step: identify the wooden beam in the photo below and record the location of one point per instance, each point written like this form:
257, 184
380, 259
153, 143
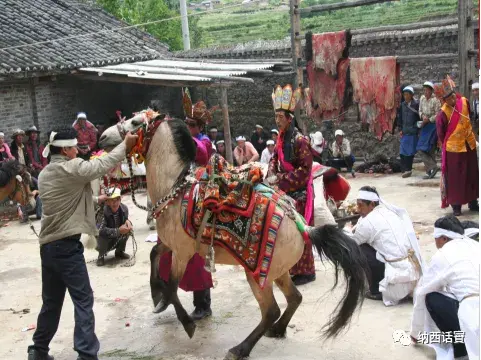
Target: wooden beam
343, 5
225, 116
413, 26
296, 50
429, 57
467, 65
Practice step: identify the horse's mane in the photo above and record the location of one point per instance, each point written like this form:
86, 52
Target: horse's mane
183, 142
8, 170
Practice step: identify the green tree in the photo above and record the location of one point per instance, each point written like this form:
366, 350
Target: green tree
141, 11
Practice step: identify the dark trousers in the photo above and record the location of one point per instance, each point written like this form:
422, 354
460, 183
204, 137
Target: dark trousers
104, 245
444, 312
471, 205
406, 163
377, 268
63, 267
202, 299
338, 163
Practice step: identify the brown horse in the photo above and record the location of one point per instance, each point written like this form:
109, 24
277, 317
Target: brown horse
15, 183
168, 160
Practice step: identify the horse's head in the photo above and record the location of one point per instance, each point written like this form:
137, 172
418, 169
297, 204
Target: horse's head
15, 183
114, 135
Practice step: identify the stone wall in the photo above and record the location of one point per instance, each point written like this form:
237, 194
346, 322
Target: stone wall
53, 102
250, 104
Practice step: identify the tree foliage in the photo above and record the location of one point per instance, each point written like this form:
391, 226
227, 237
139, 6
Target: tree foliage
141, 11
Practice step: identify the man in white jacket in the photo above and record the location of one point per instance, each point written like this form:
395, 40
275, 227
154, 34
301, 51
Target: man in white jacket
268, 152
387, 238
447, 298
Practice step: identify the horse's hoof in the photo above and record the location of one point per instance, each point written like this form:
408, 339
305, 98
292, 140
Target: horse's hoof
274, 333
189, 328
232, 356
161, 307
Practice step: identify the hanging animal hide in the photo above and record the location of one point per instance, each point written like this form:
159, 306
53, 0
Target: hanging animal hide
375, 85
327, 74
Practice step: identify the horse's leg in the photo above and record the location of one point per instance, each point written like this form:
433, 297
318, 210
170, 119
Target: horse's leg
158, 287
176, 274
270, 313
294, 299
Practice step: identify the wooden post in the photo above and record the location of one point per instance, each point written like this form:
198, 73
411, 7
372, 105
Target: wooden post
467, 65
296, 49
225, 116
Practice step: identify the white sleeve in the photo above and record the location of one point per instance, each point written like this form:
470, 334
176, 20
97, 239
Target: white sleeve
434, 279
364, 232
264, 157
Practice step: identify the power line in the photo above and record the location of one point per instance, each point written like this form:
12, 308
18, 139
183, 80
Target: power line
123, 28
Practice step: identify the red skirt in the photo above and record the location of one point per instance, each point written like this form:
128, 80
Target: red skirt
461, 177
196, 278
305, 266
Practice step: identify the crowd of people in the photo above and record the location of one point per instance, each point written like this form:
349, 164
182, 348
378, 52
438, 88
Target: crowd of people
445, 292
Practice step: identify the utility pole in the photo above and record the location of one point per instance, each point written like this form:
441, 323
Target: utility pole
466, 52
185, 24
296, 50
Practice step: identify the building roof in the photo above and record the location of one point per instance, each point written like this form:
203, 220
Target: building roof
32, 21
174, 72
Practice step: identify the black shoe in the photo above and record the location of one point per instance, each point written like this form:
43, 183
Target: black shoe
474, 208
434, 172
369, 295
303, 279
36, 355
428, 175
101, 261
457, 212
122, 255
200, 313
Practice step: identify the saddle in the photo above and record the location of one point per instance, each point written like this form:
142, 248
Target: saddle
244, 215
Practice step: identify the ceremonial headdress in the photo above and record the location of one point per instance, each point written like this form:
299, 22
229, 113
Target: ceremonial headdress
445, 89
197, 112
285, 98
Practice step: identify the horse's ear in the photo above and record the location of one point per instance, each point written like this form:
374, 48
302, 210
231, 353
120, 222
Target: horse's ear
160, 117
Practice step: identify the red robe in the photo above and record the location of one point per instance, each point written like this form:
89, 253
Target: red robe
195, 278
295, 183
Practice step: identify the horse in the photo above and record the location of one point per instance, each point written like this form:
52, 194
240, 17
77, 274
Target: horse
169, 155
15, 183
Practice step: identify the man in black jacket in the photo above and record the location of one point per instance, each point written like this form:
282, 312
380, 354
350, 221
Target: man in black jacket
259, 139
115, 228
408, 124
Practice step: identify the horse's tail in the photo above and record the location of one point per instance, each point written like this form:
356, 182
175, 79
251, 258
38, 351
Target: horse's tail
344, 253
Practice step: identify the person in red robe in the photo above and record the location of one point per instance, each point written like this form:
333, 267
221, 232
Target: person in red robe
196, 278
290, 170
459, 169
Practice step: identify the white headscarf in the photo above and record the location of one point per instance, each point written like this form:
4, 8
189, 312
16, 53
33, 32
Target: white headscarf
57, 143
403, 214
438, 232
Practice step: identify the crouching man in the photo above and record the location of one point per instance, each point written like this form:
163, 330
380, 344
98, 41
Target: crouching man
115, 228
387, 238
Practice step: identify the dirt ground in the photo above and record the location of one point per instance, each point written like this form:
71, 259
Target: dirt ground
122, 297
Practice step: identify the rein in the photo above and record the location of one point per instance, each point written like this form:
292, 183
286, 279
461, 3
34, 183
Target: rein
145, 133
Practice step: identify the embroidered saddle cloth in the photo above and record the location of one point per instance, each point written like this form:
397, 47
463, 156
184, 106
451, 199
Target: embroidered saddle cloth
244, 214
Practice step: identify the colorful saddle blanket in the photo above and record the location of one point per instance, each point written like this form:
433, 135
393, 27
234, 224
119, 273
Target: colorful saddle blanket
244, 214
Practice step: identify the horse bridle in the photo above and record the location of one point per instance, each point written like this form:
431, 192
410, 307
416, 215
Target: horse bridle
19, 186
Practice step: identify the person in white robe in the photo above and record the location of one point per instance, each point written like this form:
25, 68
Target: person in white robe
268, 152
387, 238
447, 297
